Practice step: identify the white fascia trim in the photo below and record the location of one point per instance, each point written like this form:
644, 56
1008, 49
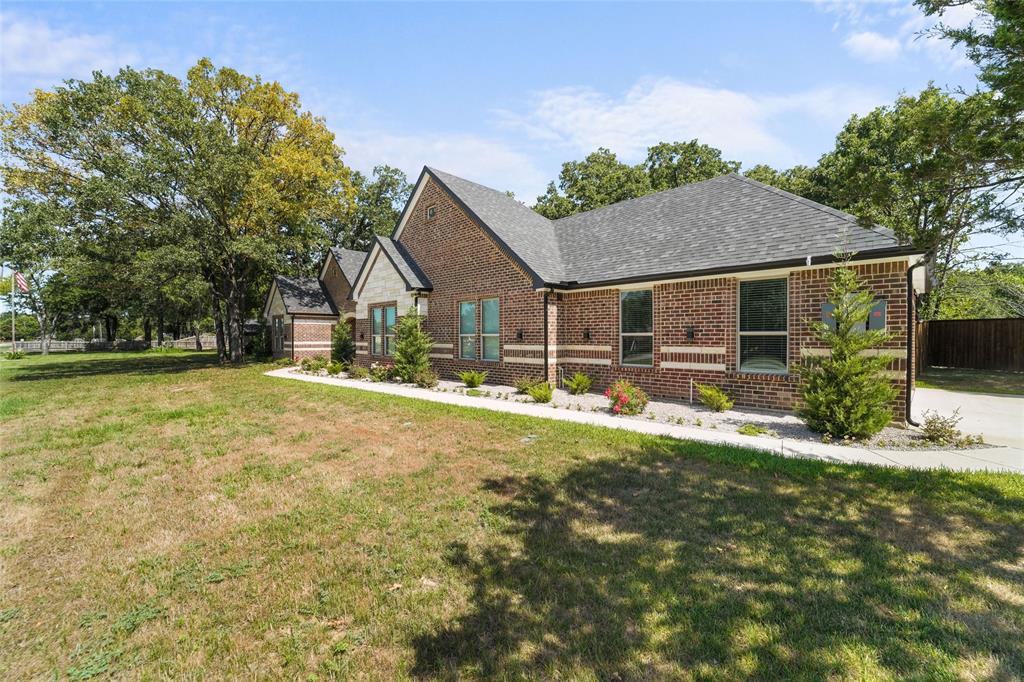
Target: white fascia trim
412, 202
748, 274
323, 268
270, 297
368, 264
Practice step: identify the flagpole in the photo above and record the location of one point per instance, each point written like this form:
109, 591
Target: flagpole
14, 344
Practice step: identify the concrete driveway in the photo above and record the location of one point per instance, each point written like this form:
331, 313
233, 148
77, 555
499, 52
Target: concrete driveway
999, 418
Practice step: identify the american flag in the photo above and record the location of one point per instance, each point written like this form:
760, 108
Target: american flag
19, 279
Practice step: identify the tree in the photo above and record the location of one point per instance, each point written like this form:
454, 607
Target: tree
920, 167
994, 291
378, 204
673, 164
223, 165
995, 43
343, 346
845, 393
803, 181
33, 240
598, 180
412, 348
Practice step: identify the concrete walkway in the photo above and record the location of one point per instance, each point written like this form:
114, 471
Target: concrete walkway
986, 459
999, 418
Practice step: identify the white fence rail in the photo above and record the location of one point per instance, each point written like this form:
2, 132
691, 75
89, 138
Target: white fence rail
208, 342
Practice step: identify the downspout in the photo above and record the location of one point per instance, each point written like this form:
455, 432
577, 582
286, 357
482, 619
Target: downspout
911, 333
546, 293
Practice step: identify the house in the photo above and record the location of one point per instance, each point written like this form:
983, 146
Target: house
713, 282
303, 311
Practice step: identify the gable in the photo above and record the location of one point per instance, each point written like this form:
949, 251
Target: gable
381, 282
335, 282
275, 304
453, 240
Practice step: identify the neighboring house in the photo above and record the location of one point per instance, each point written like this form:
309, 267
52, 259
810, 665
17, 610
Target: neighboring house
303, 311
713, 282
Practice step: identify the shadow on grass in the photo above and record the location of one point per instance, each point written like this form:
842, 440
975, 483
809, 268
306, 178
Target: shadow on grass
665, 565
71, 367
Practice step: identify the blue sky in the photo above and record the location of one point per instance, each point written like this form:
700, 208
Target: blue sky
503, 93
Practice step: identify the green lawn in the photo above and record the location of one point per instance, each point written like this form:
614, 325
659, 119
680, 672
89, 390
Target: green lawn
972, 380
161, 517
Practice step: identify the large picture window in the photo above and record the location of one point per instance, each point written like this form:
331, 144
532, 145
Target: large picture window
467, 330
636, 327
490, 346
383, 330
764, 324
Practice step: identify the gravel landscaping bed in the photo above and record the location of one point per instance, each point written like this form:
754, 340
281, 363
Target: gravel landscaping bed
766, 424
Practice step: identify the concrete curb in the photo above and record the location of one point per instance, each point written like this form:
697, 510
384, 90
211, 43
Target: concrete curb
987, 459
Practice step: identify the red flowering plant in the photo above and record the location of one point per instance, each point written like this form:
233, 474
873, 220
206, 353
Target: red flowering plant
625, 398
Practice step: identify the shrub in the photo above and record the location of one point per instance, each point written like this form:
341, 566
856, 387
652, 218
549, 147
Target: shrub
335, 368
343, 347
314, 364
943, 431
15, 354
284, 362
358, 372
715, 398
541, 393
379, 372
472, 378
412, 346
845, 393
755, 430
524, 384
578, 384
425, 378
625, 398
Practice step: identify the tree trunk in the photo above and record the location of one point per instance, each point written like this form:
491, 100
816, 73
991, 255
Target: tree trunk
218, 321
234, 328
160, 328
147, 332
44, 334
195, 333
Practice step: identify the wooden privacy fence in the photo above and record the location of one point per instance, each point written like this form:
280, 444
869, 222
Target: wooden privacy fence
971, 344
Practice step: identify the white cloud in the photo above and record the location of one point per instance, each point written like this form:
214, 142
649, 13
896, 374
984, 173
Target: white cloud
34, 49
664, 109
488, 161
872, 47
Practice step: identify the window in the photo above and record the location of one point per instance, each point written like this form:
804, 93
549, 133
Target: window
278, 334
636, 327
489, 344
383, 331
467, 330
764, 322
431, 212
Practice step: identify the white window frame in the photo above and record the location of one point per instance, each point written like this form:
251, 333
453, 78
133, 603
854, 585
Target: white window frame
430, 212
741, 334
622, 346
375, 348
474, 335
496, 335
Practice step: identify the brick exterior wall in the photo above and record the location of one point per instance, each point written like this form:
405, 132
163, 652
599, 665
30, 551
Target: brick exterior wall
310, 337
338, 287
464, 264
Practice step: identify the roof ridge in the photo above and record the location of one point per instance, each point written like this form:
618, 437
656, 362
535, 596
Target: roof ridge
810, 203
643, 196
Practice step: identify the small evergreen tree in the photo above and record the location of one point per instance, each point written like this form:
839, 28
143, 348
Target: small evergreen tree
343, 347
412, 347
845, 394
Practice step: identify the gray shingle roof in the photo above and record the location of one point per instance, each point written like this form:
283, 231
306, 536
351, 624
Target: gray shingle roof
350, 261
403, 262
304, 295
728, 223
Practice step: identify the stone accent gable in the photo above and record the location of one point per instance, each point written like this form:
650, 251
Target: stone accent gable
381, 283
338, 286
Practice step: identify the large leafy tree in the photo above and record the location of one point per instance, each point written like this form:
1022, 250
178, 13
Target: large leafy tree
805, 181
34, 238
921, 167
596, 181
222, 165
993, 291
672, 164
379, 200
601, 179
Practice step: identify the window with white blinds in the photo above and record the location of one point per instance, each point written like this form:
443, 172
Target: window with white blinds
636, 327
764, 325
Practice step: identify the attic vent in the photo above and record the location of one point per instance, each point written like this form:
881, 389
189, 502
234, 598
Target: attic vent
431, 212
